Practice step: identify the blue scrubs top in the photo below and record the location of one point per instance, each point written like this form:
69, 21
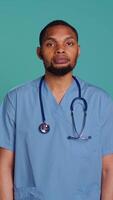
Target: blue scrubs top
51, 167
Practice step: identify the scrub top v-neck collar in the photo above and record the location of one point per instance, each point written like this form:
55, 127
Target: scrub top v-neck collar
49, 97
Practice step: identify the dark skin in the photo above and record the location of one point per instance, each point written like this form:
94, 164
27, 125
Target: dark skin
59, 48
59, 41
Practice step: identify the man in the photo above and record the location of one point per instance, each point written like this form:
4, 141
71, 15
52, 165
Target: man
50, 148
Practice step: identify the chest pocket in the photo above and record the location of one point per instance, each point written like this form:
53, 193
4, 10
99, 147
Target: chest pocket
86, 149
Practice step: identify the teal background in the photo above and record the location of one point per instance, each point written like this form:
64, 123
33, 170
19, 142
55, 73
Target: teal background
20, 25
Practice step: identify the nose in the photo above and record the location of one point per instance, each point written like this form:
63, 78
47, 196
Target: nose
60, 50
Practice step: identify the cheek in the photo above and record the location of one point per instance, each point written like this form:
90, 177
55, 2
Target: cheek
74, 56
47, 58
47, 55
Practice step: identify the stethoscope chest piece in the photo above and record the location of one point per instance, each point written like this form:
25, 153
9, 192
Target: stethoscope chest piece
44, 128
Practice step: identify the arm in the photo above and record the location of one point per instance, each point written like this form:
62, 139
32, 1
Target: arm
6, 174
107, 178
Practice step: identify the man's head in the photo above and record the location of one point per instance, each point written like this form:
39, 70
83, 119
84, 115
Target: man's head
59, 47
55, 23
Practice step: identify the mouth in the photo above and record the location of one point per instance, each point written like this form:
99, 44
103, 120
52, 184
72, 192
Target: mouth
60, 60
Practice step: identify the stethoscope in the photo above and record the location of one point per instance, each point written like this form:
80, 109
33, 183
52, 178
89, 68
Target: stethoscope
44, 128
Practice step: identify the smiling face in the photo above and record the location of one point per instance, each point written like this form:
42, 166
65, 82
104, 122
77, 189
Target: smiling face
59, 50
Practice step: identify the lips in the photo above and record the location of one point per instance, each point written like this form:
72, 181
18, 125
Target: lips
60, 60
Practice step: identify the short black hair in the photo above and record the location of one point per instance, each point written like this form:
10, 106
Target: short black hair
55, 23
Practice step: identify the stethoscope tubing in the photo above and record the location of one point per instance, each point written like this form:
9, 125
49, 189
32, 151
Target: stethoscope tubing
40, 100
44, 127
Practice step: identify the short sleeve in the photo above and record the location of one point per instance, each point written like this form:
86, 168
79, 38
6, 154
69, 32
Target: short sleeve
107, 128
7, 124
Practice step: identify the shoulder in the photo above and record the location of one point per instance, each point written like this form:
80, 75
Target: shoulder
95, 93
22, 91
26, 87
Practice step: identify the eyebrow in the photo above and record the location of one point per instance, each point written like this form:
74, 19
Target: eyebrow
54, 39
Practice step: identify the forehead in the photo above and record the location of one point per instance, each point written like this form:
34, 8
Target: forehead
59, 31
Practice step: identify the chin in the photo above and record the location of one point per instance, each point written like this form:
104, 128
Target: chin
60, 70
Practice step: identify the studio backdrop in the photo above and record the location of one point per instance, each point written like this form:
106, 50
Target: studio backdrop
21, 22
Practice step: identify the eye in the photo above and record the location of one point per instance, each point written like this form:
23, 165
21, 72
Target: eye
69, 43
50, 44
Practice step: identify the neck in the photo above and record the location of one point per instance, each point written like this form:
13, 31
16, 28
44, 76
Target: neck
58, 85
58, 82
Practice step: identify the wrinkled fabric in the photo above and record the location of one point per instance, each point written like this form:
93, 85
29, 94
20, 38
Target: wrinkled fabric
29, 193
49, 166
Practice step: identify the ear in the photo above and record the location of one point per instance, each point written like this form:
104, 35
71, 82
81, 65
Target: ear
39, 53
78, 50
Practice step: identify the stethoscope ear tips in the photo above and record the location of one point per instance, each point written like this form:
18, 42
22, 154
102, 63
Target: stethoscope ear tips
44, 128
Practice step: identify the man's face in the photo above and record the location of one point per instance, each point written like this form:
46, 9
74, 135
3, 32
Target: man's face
59, 49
